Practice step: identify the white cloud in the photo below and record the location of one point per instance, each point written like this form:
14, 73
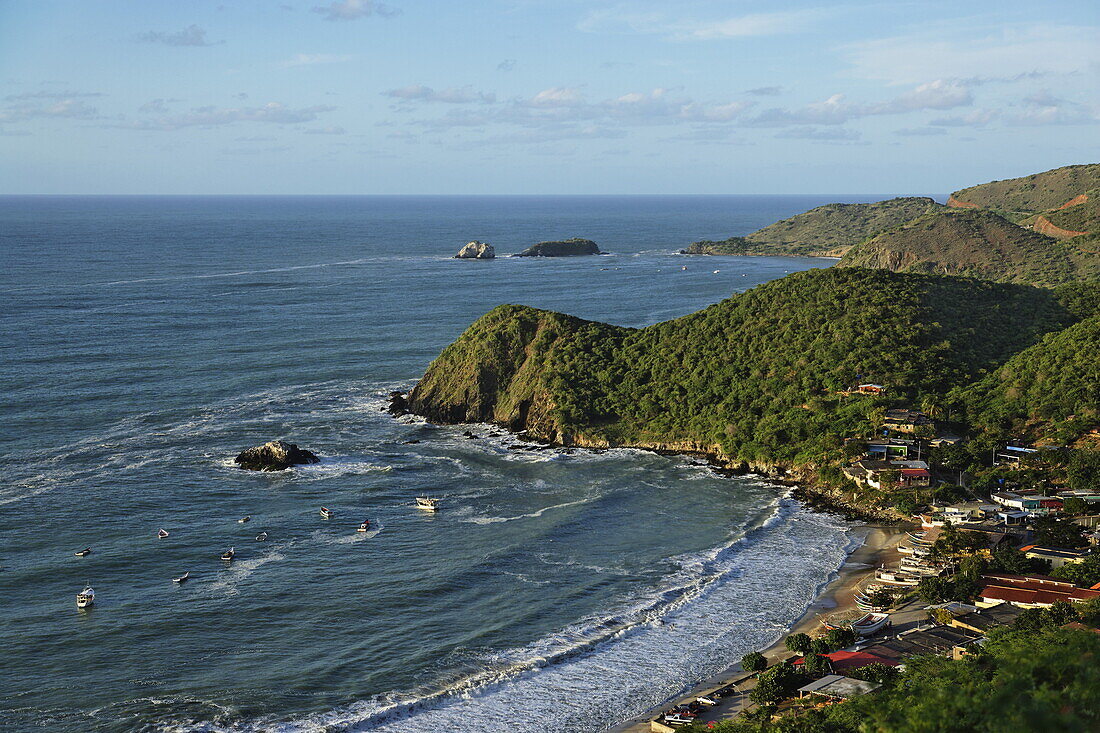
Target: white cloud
835, 134
57, 109
354, 9
312, 59
192, 35
938, 94
765, 91
625, 18
214, 116
557, 97
455, 95
960, 51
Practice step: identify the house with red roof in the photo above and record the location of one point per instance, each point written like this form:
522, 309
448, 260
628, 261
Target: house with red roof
1031, 591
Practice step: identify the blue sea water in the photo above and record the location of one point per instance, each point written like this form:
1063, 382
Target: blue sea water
147, 340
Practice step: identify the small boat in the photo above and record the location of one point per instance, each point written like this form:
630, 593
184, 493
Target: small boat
162, 533
426, 503
326, 512
183, 578
242, 520
895, 578
261, 537
229, 554
865, 625
364, 526
82, 553
85, 597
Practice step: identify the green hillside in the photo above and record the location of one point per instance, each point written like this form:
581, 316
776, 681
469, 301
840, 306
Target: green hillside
1034, 193
825, 231
752, 378
975, 243
1050, 391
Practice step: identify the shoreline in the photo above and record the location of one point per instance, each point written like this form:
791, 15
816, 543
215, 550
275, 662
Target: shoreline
878, 546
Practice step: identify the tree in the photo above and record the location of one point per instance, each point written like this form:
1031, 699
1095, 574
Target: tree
815, 666
1075, 506
840, 637
881, 597
1083, 472
874, 672
1086, 572
1053, 532
753, 662
799, 643
774, 684
821, 645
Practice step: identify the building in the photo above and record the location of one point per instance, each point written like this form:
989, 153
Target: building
871, 389
838, 688
906, 421
1056, 556
982, 620
1030, 591
943, 640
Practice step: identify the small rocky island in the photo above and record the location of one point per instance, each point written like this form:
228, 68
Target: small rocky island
476, 251
564, 248
278, 455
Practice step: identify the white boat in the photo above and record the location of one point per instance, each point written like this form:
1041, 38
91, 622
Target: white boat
261, 537
426, 503
85, 597
242, 520
183, 578
891, 577
870, 623
326, 512
364, 526
162, 533
82, 553
229, 554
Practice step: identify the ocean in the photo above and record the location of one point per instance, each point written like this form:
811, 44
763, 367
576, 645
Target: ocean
147, 340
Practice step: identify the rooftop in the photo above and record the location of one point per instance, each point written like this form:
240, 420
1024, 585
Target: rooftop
838, 686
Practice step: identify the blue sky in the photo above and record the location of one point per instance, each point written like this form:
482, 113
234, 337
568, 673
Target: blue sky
542, 96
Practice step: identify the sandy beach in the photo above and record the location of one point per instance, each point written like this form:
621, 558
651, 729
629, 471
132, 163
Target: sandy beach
879, 546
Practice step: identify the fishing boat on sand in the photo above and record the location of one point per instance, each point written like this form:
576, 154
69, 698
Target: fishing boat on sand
229, 554
85, 598
427, 504
865, 625
892, 577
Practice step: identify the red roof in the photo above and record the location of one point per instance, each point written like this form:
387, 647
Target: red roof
1032, 589
843, 660
917, 472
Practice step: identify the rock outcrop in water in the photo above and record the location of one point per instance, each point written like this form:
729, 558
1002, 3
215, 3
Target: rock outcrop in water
564, 248
476, 251
278, 455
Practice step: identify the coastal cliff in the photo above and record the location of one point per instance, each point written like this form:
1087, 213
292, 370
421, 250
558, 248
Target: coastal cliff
752, 381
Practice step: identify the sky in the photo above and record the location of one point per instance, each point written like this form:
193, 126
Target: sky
542, 96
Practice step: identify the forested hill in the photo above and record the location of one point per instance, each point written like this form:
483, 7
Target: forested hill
825, 231
753, 378
1029, 194
977, 243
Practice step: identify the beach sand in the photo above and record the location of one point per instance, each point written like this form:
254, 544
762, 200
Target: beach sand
838, 597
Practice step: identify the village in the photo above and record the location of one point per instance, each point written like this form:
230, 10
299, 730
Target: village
1012, 548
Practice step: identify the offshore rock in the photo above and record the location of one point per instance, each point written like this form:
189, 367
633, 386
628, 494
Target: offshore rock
565, 248
278, 455
398, 404
476, 251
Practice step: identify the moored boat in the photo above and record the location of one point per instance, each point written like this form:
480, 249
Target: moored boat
183, 578
261, 537
364, 526
82, 553
427, 503
229, 554
325, 512
242, 520
85, 598
162, 533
